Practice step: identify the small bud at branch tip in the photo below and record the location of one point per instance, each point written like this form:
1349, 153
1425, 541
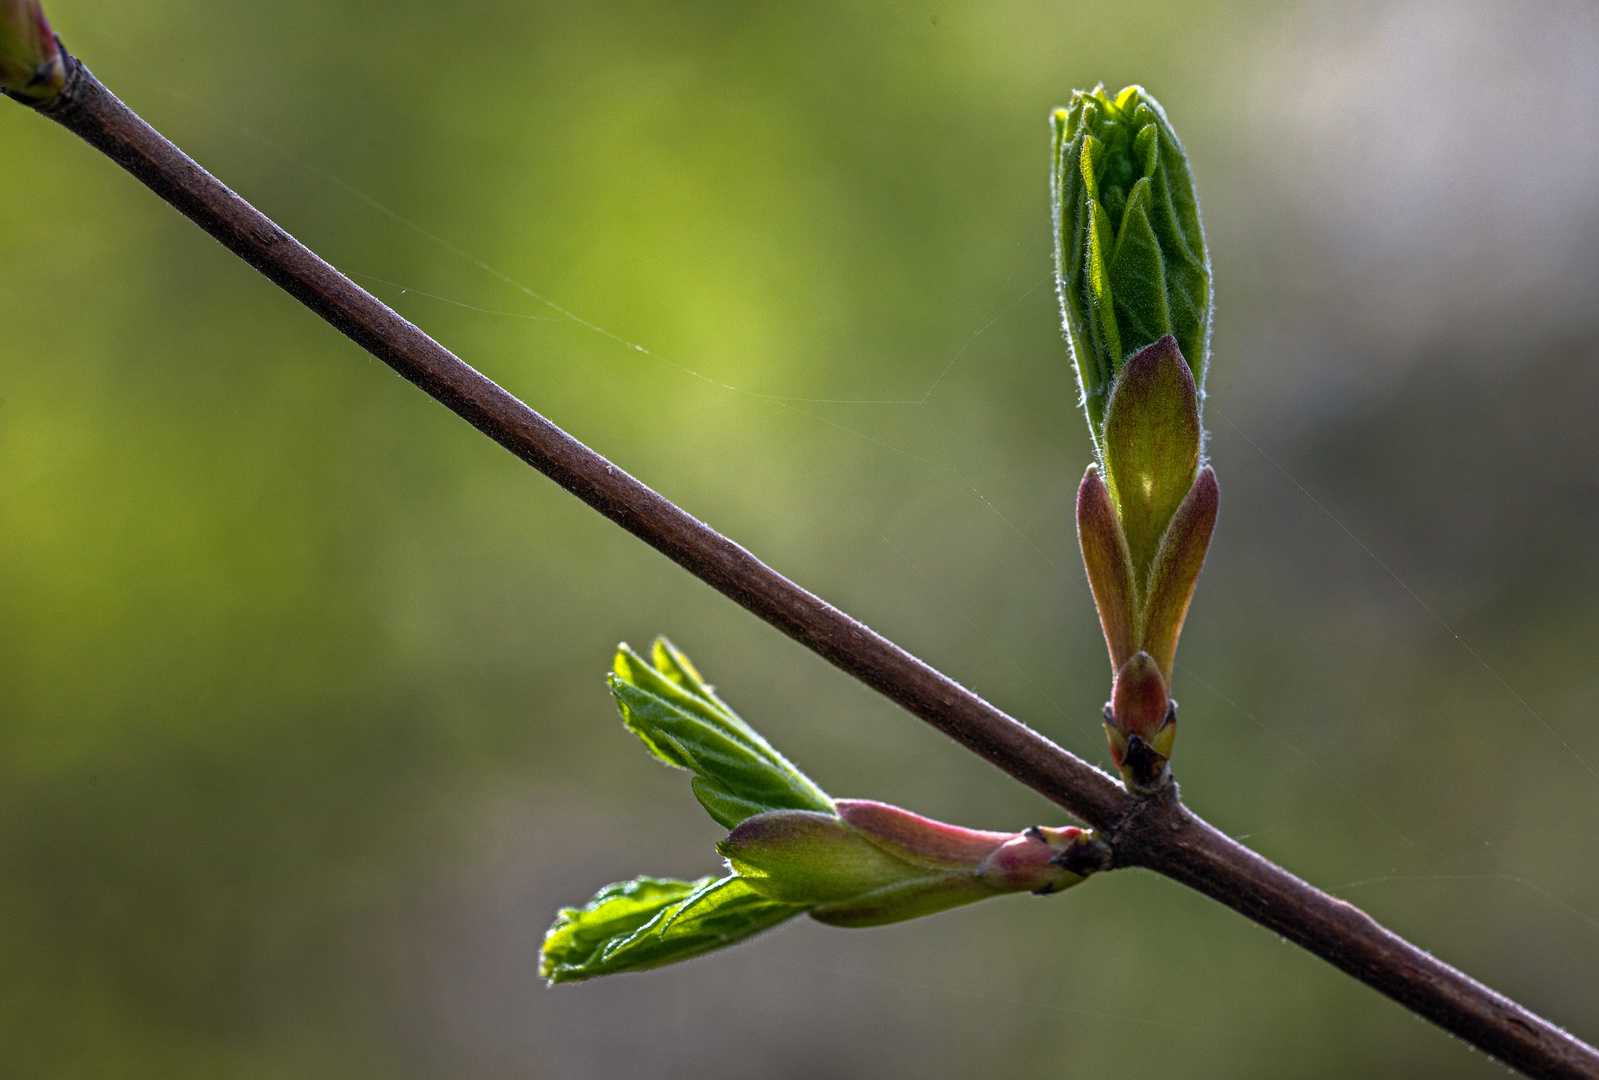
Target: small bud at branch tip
32, 68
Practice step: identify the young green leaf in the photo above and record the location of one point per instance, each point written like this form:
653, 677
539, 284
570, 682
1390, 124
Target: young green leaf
1130, 258
681, 720
647, 922
580, 935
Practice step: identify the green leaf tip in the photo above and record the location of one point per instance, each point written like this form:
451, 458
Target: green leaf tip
1130, 258
32, 67
647, 922
678, 717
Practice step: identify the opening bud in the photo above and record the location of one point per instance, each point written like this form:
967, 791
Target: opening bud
1144, 527
793, 849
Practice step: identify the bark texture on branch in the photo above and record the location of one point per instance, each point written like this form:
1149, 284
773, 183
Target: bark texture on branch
1159, 833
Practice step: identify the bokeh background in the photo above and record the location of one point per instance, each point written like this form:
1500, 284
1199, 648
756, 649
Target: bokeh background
303, 737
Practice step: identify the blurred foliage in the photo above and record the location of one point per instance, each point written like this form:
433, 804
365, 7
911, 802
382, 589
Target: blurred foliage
303, 729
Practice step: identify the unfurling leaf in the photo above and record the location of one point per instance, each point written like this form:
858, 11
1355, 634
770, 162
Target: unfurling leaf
1130, 259
647, 922
792, 849
677, 715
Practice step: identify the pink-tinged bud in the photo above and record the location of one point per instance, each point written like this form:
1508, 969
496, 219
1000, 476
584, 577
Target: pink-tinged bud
1028, 861
1042, 860
1138, 702
919, 839
32, 69
875, 864
1141, 722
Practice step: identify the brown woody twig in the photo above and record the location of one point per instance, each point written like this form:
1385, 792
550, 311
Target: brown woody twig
1157, 833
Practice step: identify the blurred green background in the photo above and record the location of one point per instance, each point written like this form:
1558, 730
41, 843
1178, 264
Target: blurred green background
303, 735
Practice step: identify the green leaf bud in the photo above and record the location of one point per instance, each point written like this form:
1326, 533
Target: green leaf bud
1133, 276
32, 69
1151, 448
1130, 258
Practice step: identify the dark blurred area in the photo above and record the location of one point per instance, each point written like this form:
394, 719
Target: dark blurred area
303, 732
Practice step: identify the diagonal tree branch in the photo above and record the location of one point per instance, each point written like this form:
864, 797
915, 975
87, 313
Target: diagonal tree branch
1157, 833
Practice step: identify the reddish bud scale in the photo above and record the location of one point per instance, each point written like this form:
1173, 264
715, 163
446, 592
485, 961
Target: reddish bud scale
1138, 701
874, 863
1110, 574
916, 838
1141, 723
